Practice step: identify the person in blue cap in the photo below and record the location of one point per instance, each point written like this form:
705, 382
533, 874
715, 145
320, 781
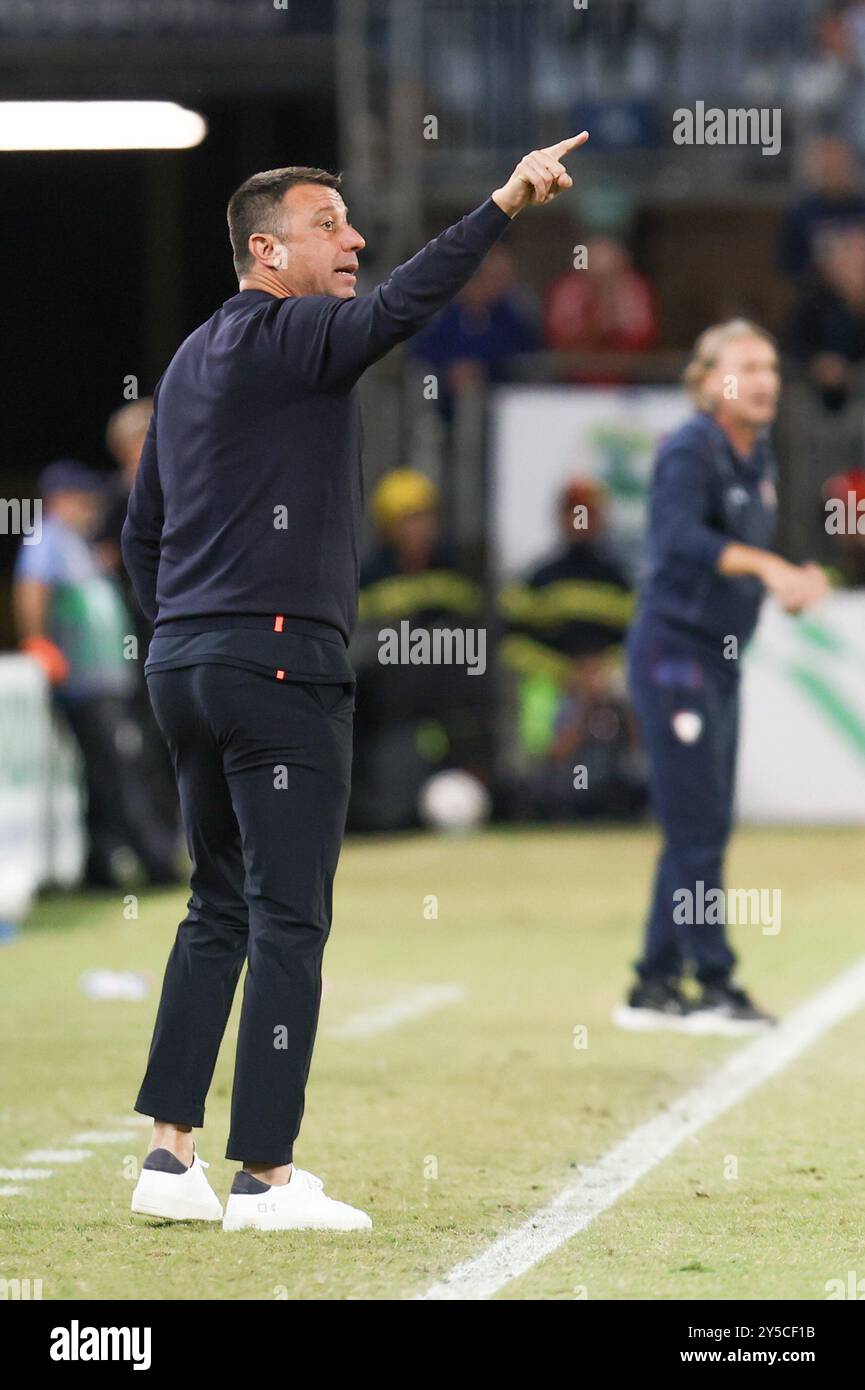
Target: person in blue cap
712, 513
72, 620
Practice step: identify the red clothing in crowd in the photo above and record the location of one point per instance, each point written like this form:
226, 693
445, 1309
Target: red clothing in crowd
588, 314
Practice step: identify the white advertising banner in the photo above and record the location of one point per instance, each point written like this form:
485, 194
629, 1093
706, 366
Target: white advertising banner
41, 838
802, 751
543, 437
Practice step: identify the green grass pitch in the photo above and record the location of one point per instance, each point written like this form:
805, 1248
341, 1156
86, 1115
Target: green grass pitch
454, 1127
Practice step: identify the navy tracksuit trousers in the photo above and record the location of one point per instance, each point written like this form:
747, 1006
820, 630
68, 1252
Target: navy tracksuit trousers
688, 710
263, 770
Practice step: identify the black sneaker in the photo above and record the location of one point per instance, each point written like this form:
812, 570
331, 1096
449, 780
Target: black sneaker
729, 1010
653, 1005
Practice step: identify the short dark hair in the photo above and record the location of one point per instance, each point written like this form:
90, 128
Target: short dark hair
256, 206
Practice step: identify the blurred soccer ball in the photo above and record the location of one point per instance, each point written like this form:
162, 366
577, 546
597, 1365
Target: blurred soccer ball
16, 898
454, 801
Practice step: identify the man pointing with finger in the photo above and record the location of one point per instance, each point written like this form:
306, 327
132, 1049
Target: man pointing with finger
242, 544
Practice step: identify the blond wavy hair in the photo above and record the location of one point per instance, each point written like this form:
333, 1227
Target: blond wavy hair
708, 349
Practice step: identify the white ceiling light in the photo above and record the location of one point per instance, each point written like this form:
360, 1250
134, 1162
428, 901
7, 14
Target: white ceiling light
99, 125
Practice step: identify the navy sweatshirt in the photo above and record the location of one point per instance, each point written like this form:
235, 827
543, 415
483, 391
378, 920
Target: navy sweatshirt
246, 509
703, 496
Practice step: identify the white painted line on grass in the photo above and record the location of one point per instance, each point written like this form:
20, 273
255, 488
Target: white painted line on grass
103, 1136
403, 1008
66, 1156
601, 1184
26, 1174
57, 1155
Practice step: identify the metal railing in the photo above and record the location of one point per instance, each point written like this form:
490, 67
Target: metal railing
63, 19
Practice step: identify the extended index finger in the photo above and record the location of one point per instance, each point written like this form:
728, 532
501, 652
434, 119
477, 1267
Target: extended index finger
565, 146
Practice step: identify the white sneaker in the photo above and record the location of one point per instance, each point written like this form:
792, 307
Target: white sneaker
166, 1188
298, 1205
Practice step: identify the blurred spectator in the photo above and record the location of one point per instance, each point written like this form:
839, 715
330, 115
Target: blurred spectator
848, 543
826, 86
607, 307
565, 625
124, 437
828, 327
72, 620
836, 203
412, 719
489, 322
844, 30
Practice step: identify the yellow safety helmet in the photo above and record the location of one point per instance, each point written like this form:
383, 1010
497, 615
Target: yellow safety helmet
399, 493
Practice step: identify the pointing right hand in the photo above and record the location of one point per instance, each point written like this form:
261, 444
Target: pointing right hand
539, 177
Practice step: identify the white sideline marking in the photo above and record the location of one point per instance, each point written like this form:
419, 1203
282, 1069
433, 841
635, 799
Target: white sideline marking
601, 1184
103, 1136
404, 1008
58, 1155
96, 1136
